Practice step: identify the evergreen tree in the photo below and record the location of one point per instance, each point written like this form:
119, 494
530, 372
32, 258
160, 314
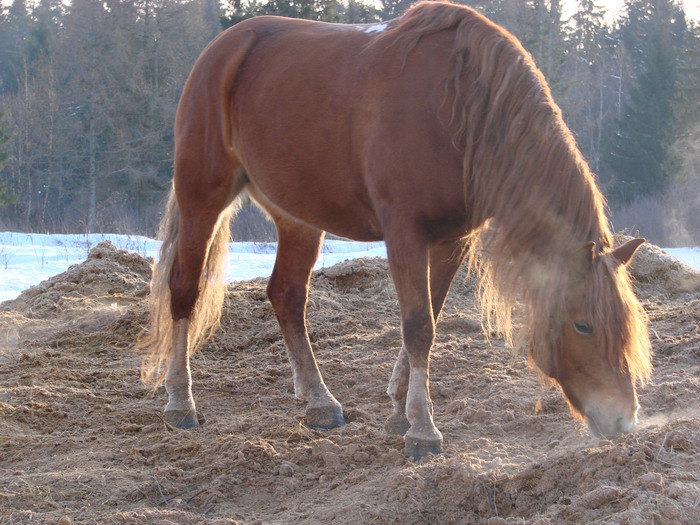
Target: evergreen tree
639, 150
684, 162
393, 8
6, 196
14, 39
584, 93
357, 12
326, 10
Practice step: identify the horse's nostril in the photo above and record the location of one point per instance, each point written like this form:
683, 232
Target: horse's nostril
624, 425
620, 425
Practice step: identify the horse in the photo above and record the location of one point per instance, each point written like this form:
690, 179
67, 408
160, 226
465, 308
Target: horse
434, 132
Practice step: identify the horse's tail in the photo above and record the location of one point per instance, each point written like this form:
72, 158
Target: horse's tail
156, 340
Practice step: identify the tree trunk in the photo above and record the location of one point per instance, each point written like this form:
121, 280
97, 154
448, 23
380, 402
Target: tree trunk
92, 183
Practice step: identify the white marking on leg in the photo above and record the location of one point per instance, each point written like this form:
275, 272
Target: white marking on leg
419, 410
178, 378
398, 384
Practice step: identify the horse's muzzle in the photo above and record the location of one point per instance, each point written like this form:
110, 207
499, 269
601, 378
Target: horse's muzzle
610, 424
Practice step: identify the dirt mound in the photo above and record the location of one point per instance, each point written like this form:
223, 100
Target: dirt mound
82, 440
358, 274
107, 272
99, 301
655, 271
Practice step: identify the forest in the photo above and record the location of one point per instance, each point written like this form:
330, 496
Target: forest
89, 88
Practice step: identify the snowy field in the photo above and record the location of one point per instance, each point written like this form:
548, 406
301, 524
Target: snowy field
27, 259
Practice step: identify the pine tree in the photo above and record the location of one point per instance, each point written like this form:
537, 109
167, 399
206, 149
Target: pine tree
357, 12
326, 10
584, 92
6, 196
639, 150
394, 8
14, 39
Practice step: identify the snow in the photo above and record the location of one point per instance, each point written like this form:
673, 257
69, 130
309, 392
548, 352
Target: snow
688, 256
27, 259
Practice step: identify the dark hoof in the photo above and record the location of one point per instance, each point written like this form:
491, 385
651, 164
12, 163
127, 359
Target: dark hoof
324, 418
181, 418
417, 448
396, 425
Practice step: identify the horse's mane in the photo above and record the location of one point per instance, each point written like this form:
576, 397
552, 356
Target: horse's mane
526, 183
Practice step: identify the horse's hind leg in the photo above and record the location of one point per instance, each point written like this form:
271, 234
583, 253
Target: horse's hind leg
180, 411
205, 209
297, 251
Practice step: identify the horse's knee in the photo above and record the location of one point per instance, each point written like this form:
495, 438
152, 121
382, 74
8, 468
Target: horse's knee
418, 332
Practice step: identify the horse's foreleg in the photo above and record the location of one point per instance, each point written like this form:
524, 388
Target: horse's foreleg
297, 251
409, 263
445, 260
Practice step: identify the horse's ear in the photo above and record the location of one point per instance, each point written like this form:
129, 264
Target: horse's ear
623, 254
584, 259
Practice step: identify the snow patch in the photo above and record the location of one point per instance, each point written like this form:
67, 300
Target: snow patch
27, 259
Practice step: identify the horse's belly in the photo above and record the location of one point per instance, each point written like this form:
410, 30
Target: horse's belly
343, 214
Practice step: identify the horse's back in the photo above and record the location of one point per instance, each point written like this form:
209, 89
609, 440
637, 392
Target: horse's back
301, 82
332, 129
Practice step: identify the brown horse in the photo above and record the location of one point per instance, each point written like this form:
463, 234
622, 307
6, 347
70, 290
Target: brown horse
421, 132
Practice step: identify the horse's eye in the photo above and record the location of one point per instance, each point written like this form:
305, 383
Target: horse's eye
583, 327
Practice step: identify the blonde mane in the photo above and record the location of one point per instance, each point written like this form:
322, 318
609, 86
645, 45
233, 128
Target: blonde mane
527, 184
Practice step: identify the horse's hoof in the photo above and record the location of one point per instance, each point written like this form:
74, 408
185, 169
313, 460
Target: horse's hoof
417, 448
324, 418
396, 425
181, 418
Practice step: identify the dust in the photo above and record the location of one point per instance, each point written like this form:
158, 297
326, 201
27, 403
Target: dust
81, 441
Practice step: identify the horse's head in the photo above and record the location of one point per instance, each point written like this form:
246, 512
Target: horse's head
595, 342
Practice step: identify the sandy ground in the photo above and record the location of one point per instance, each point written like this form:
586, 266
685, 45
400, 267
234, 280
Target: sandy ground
81, 441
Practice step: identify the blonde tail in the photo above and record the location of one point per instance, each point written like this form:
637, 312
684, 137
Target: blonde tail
156, 339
